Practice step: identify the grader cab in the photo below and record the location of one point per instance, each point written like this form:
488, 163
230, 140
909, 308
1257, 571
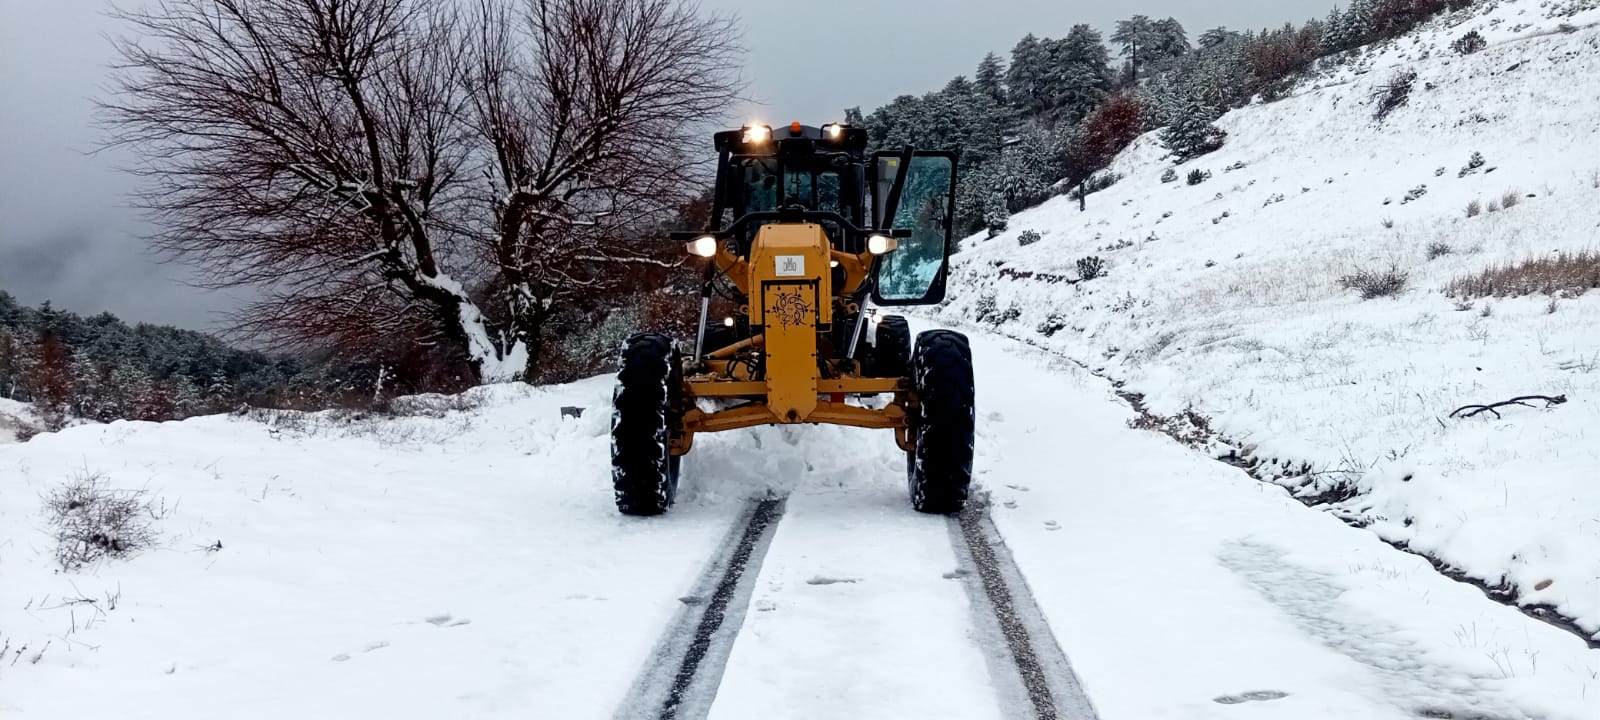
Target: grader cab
811, 240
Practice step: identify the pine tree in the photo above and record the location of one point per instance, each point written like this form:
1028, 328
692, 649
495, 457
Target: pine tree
990, 78
1162, 99
1135, 36
1077, 163
1216, 78
1216, 36
1079, 75
1360, 22
218, 393
1334, 38
1169, 41
88, 389
976, 193
1027, 167
1025, 78
186, 398
995, 217
1191, 134
10, 361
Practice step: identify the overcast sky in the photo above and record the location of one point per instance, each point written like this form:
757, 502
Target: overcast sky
67, 235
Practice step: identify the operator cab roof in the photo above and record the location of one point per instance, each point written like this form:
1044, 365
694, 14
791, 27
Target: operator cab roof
792, 139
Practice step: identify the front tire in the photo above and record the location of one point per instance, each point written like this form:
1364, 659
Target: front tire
943, 424
645, 407
890, 353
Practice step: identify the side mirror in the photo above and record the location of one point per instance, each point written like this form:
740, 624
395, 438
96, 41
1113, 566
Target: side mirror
914, 273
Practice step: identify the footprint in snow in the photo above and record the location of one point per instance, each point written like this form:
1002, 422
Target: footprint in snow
375, 645
1255, 695
957, 574
1010, 504
820, 580
1052, 525
1018, 488
446, 620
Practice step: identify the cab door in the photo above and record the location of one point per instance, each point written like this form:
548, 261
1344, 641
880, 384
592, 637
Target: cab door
915, 273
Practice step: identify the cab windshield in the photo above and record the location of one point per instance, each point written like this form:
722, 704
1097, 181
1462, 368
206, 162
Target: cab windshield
770, 183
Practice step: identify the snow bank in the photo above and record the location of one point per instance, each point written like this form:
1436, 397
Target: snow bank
14, 418
1226, 295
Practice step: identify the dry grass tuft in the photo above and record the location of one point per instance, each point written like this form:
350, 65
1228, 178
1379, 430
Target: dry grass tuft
1562, 274
1376, 283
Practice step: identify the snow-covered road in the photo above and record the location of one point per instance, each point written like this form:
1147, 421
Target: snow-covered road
1177, 584
472, 566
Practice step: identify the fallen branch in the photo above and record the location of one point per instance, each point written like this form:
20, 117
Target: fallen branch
1520, 400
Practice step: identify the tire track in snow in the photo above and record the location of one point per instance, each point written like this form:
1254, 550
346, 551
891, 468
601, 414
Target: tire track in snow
682, 676
1014, 630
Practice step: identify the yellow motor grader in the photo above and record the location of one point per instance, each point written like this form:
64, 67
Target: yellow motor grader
820, 238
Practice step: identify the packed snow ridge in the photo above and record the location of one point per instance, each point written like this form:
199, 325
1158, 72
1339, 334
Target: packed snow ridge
1229, 296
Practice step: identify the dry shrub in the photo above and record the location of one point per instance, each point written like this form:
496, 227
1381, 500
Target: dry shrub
1090, 268
1474, 208
93, 521
1510, 199
1561, 274
1438, 249
1376, 283
1494, 206
1469, 43
1393, 94
1187, 427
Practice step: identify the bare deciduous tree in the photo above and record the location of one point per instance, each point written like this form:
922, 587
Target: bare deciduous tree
383, 168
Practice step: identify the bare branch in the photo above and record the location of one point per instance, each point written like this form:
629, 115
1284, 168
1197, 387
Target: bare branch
1519, 400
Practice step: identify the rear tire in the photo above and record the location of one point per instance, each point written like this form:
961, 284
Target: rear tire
890, 354
645, 407
939, 464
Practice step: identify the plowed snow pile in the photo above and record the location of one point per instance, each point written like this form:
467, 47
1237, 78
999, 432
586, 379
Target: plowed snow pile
1230, 296
14, 417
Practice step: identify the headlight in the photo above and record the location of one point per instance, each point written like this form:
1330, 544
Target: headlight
833, 131
757, 134
876, 319
880, 244
727, 322
704, 246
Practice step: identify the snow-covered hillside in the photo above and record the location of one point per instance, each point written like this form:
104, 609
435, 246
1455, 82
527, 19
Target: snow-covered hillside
1226, 296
